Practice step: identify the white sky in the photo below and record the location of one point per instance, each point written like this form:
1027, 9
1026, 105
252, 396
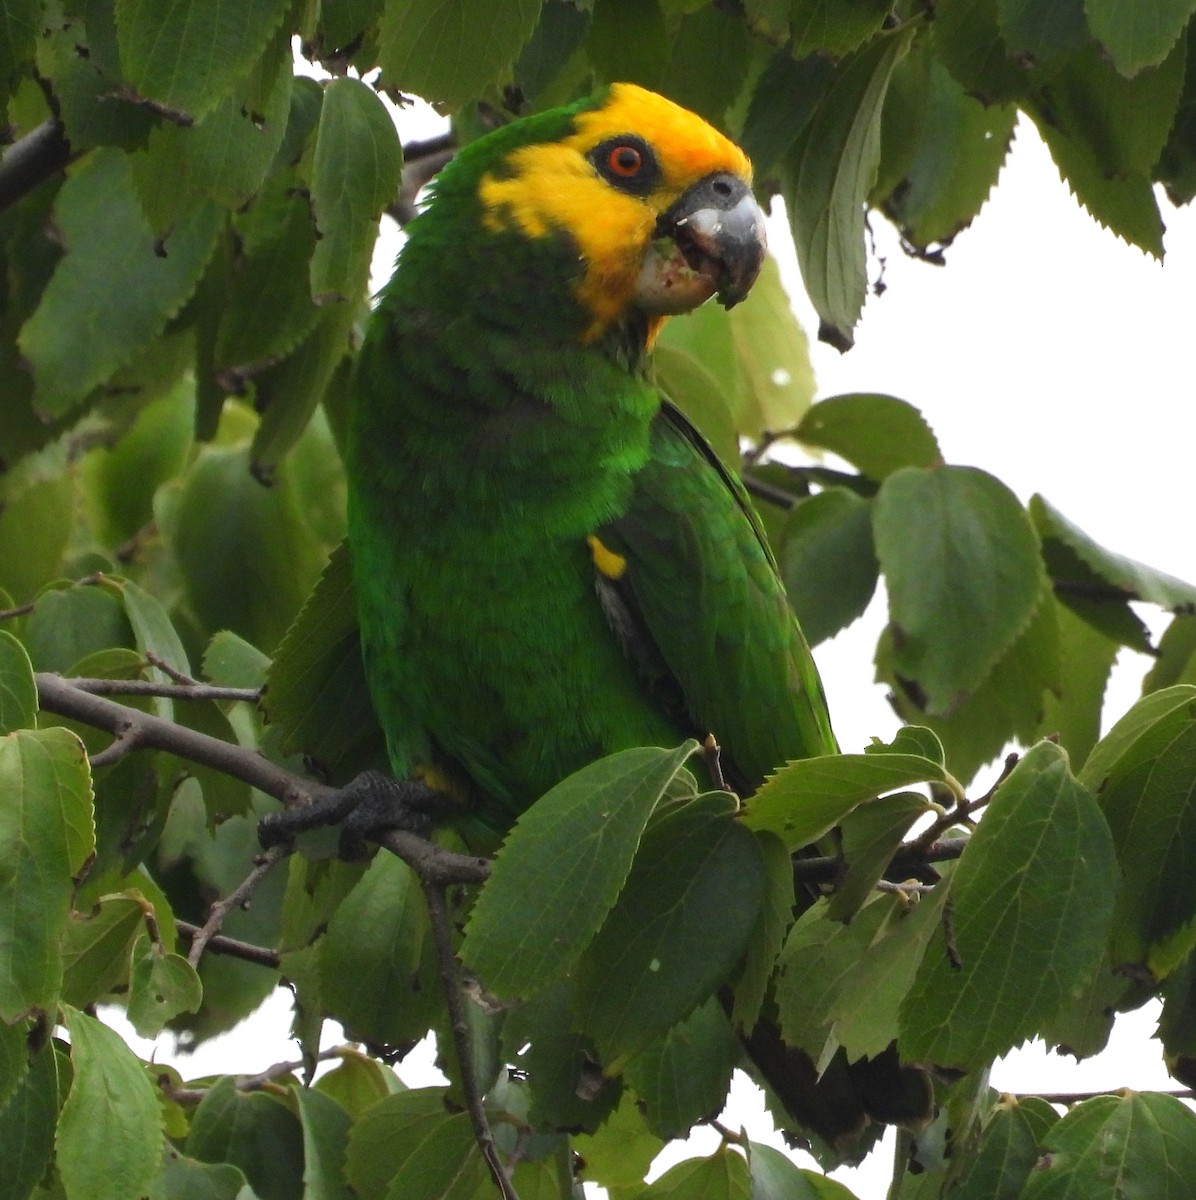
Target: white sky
1054, 356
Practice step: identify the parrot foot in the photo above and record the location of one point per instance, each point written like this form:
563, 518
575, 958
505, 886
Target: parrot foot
365, 807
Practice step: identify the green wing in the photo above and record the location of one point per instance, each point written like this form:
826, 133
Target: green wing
701, 610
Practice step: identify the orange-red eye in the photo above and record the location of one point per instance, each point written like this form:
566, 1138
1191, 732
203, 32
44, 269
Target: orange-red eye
625, 161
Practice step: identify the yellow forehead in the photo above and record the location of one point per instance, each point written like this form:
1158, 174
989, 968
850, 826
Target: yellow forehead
552, 186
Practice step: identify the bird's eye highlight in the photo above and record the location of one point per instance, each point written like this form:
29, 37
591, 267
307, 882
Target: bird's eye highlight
628, 163
625, 161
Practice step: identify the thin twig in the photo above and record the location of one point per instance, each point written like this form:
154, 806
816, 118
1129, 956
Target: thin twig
1080, 1097
826, 868
171, 691
712, 756
964, 809
172, 673
252, 1083
21, 610
450, 979
219, 943
239, 897
125, 742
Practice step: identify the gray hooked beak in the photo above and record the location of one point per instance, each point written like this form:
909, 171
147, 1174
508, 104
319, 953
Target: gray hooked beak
710, 241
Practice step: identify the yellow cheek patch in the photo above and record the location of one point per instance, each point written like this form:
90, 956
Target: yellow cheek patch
609, 563
553, 187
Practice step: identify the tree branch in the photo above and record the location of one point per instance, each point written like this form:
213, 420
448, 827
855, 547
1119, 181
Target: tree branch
31, 160
59, 695
450, 981
218, 943
172, 691
239, 897
826, 868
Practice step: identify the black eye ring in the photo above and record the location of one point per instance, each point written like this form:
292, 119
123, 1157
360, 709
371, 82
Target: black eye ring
626, 162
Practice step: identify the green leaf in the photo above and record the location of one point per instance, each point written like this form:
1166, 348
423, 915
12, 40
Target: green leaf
864, 1015
561, 869
35, 526
1086, 658
109, 1140
1008, 1151
708, 57
782, 104
628, 40
1039, 32
251, 1130
450, 51
377, 976
230, 661
246, 554
776, 915
1138, 1145
267, 309
355, 173
756, 355
325, 1143
46, 834
27, 1124
777, 1177
18, 34
317, 698
722, 1176
869, 836
806, 799
877, 434
188, 55
357, 1082
154, 634
968, 39
18, 692
953, 166
686, 1074
77, 337
162, 986
96, 949
289, 393
688, 383
1121, 748
1007, 705
1134, 579
963, 572
1032, 899
834, 27
1148, 796
828, 175
539, 1037
409, 1148
827, 561
819, 955
70, 624
678, 929
1137, 35
185, 1179
619, 1154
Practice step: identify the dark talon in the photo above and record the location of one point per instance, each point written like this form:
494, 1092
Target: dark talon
365, 807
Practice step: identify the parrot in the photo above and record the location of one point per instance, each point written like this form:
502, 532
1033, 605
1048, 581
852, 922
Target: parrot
551, 564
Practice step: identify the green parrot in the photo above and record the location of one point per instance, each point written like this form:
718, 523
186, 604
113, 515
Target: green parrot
550, 562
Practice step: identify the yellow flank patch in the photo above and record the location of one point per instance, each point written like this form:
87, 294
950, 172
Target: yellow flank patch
553, 186
440, 781
609, 563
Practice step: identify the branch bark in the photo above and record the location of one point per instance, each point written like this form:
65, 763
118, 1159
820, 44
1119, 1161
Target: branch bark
31, 160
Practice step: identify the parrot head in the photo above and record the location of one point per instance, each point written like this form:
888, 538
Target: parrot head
630, 203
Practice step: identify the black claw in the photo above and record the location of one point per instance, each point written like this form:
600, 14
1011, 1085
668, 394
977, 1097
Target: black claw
365, 807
